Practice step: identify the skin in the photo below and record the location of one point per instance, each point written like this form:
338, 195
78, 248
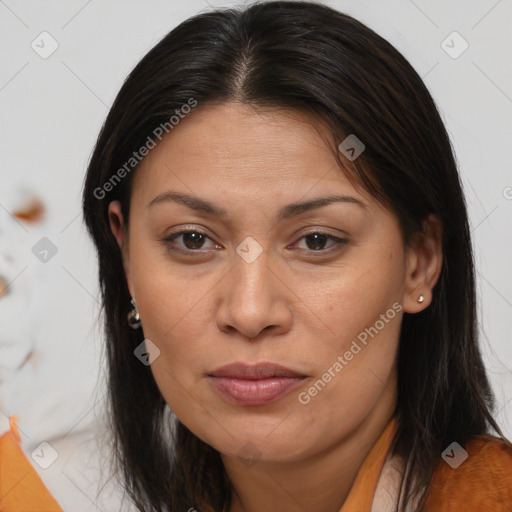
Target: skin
291, 305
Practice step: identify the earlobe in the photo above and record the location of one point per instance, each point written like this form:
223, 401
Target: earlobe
424, 259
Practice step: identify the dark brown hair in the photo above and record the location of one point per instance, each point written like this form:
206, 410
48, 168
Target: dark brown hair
308, 57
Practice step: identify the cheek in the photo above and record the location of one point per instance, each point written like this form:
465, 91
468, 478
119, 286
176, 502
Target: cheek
173, 316
171, 300
167, 293
363, 316
170, 310
354, 295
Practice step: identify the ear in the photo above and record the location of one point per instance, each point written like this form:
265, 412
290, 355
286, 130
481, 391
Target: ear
118, 229
424, 259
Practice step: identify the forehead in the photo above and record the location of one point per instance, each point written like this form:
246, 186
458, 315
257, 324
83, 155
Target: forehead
246, 150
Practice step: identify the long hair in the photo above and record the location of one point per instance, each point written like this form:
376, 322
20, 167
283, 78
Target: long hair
308, 57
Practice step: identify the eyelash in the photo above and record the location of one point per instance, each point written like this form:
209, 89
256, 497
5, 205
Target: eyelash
339, 242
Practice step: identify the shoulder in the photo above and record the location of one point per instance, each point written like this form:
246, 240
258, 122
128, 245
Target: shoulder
477, 476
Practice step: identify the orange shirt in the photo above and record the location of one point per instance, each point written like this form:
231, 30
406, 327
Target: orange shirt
482, 482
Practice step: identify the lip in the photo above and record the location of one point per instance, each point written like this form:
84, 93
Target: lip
262, 383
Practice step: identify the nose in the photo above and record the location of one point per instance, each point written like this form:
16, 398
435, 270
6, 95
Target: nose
254, 301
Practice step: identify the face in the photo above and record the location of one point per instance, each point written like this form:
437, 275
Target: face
320, 291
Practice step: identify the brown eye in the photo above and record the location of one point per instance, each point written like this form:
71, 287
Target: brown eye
187, 241
193, 240
316, 242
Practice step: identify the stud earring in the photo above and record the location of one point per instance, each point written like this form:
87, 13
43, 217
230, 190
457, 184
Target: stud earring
133, 316
421, 299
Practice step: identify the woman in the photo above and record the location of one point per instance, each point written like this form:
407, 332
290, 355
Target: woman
277, 209
287, 277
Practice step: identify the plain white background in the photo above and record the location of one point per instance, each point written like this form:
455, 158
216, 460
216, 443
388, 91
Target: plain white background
52, 110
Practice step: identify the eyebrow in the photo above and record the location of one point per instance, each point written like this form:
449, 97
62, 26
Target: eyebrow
288, 211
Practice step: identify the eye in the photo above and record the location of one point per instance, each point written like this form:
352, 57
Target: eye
191, 241
194, 240
318, 239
